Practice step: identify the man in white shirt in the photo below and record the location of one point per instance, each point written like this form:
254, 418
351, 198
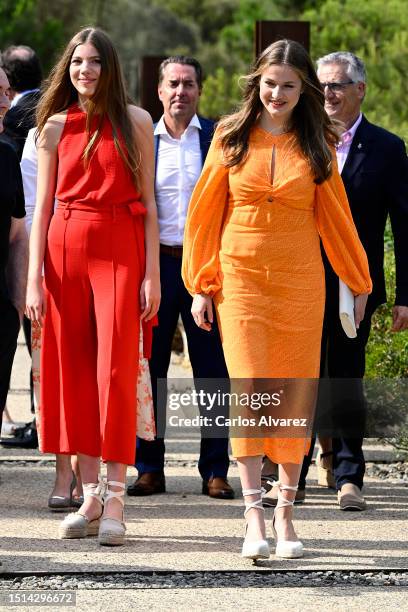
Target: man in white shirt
182, 140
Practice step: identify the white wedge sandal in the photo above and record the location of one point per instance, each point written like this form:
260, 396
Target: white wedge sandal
257, 549
286, 549
112, 531
78, 525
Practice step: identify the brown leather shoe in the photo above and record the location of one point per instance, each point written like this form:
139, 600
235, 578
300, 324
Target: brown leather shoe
148, 483
218, 487
351, 498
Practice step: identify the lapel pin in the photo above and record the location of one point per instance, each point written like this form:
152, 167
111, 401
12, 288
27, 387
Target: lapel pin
359, 146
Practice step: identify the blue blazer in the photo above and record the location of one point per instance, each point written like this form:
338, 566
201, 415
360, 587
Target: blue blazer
206, 134
375, 176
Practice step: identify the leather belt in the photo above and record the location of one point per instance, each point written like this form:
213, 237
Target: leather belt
173, 251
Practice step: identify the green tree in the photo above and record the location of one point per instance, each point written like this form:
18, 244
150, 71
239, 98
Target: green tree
233, 54
208, 16
380, 37
139, 28
28, 22
220, 94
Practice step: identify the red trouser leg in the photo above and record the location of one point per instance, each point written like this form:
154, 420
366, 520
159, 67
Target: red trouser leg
69, 393
115, 282
93, 273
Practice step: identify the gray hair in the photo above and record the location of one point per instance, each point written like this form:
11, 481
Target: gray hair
355, 68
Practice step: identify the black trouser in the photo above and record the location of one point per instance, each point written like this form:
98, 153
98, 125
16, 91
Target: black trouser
9, 327
343, 358
207, 361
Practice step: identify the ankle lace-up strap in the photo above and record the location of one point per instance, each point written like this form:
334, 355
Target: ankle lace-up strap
115, 494
282, 501
255, 504
94, 489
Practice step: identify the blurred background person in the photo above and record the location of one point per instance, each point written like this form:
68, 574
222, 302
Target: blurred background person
13, 250
23, 69
67, 490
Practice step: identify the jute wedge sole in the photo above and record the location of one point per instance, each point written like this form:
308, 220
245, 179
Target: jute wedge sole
78, 527
111, 533
111, 530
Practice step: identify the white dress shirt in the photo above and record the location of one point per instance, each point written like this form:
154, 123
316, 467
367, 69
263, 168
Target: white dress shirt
29, 166
179, 164
20, 95
343, 149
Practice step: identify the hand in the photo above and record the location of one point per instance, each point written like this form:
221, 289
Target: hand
149, 297
360, 303
35, 303
399, 318
202, 311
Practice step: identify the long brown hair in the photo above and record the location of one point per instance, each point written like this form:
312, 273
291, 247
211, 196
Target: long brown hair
110, 99
314, 130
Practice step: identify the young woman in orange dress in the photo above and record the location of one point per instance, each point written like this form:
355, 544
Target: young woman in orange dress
100, 254
269, 191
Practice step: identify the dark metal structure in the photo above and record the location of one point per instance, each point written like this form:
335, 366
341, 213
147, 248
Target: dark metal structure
267, 32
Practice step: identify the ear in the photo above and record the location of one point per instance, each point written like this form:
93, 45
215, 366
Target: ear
361, 88
159, 91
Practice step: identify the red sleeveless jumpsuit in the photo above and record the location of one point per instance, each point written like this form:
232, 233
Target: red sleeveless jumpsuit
94, 267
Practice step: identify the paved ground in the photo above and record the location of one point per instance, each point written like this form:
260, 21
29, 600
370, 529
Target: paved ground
337, 599
184, 530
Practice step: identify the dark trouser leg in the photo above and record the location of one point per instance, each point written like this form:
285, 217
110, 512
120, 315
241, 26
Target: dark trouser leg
346, 360
308, 458
348, 461
9, 326
306, 464
150, 455
207, 360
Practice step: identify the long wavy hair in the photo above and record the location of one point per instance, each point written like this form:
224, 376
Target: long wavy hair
313, 128
109, 100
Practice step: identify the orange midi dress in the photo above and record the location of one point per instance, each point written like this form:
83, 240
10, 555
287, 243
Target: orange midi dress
93, 270
252, 242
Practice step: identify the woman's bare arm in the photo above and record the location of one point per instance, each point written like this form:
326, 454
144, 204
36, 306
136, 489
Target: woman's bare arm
150, 291
47, 147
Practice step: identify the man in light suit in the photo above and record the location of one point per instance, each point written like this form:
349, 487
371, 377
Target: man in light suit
182, 140
374, 168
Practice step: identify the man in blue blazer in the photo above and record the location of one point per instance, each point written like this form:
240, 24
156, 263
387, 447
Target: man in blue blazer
374, 168
182, 140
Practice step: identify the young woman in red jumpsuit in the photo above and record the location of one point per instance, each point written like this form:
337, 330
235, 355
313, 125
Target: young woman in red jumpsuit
100, 256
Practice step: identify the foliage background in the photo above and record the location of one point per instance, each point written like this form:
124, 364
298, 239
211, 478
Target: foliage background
220, 34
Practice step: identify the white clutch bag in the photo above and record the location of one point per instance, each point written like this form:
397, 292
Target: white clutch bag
346, 310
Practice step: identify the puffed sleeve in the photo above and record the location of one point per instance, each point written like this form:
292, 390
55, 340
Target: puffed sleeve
339, 235
200, 269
